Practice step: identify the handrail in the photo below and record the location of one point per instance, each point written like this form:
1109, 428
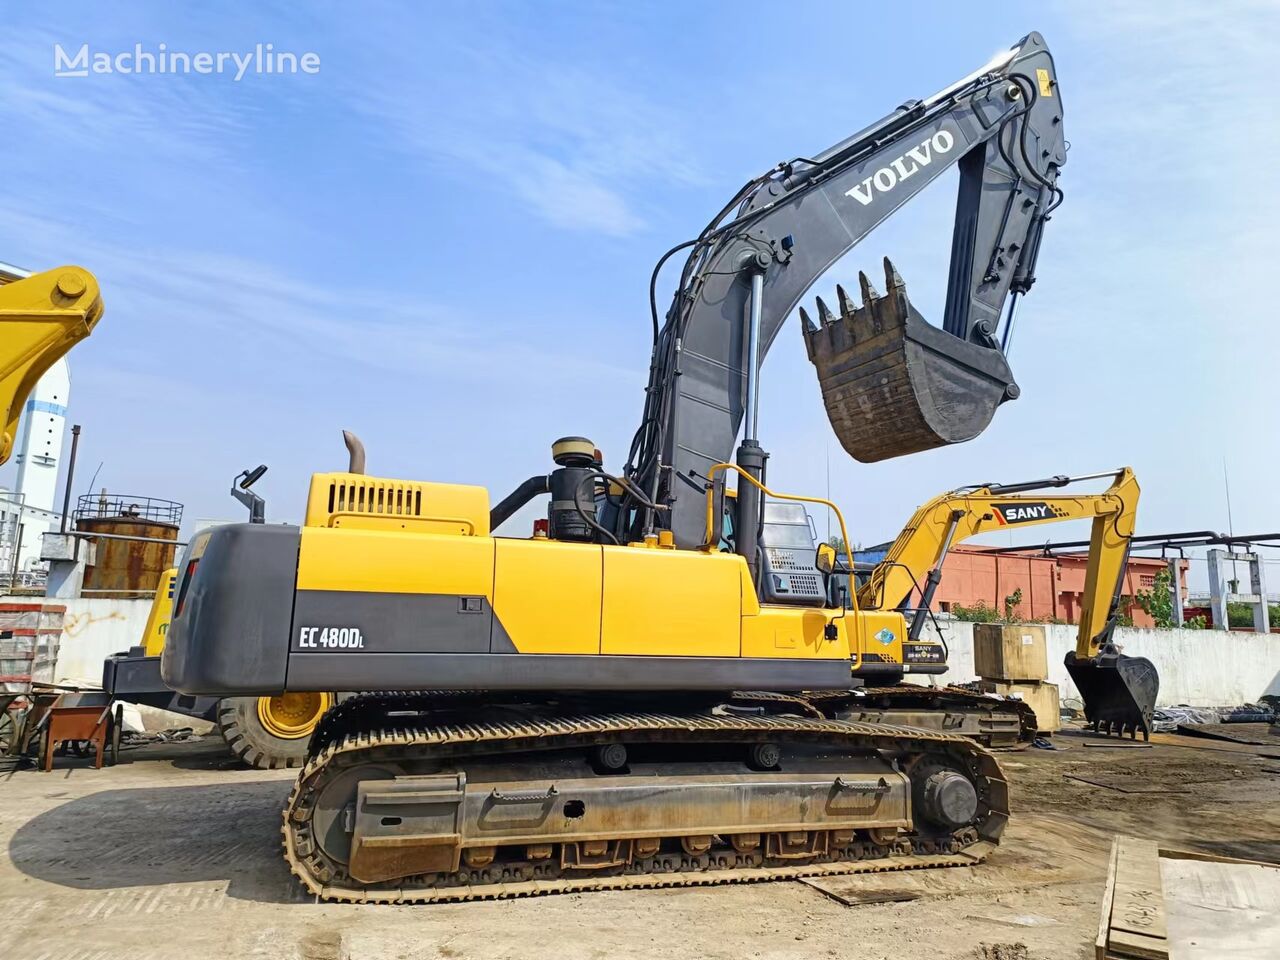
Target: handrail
844, 533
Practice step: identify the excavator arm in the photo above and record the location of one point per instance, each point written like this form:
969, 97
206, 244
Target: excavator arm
42, 316
893, 384
1118, 691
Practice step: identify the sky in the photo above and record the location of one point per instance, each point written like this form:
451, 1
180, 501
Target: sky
442, 239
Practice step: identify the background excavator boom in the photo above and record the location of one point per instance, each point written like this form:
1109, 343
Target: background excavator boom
915, 559
1118, 691
42, 316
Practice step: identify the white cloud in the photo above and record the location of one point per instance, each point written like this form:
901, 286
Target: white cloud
572, 145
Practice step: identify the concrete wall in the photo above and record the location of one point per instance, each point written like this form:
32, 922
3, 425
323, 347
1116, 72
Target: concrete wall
1202, 668
92, 630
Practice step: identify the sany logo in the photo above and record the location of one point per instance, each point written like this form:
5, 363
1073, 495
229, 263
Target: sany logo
1021, 512
905, 166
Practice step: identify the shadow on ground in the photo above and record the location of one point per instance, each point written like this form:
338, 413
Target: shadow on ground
1266, 851
160, 835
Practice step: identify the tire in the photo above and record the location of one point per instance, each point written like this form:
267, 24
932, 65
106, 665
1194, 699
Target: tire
8, 731
245, 723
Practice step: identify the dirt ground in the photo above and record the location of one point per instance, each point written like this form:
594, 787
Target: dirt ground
175, 854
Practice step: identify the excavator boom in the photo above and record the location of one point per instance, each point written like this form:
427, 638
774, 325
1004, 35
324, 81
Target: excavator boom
1119, 692
892, 383
42, 316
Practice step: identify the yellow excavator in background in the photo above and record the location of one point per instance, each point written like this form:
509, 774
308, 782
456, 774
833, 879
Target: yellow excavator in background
907, 579
42, 316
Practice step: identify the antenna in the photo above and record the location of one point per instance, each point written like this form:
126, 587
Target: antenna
1231, 530
829, 492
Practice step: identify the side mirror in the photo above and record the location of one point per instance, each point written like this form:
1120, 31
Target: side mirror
825, 558
249, 477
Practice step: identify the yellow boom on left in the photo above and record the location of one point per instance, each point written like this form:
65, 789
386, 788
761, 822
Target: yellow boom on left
42, 316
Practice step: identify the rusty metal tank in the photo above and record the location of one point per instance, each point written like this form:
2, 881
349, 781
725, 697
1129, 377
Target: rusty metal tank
138, 542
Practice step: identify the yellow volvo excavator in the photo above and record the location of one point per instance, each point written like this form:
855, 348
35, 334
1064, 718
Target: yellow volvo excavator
641, 694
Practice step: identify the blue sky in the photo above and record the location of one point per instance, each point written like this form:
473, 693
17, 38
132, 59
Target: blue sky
442, 240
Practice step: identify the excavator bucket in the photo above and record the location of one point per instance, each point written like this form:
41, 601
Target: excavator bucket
894, 384
1119, 692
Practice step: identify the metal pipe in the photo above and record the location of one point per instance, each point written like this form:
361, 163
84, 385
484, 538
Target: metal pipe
92, 593
10, 273
753, 356
71, 472
1193, 538
89, 535
355, 452
17, 554
517, 499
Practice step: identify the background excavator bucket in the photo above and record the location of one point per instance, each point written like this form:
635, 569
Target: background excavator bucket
1119, 692
894, 384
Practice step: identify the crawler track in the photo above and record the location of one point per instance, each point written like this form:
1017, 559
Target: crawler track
395, 730
998, 724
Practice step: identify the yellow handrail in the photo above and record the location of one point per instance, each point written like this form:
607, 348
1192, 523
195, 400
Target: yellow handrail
844, 533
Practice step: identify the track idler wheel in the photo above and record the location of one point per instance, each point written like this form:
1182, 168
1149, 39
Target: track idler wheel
1119, 692
943, 796
894, 384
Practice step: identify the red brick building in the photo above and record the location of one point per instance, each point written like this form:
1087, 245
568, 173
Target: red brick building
1052, 587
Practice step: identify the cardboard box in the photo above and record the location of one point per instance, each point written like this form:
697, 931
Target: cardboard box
1041, 696
1010, 651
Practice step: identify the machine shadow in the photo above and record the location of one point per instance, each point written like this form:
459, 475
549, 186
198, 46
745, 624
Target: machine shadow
159, 835
1264, 851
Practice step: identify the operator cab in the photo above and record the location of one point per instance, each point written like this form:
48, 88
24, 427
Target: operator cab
787, 547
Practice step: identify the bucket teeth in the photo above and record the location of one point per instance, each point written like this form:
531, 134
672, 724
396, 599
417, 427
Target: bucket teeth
857, 322
847, 306
825, 316
892, 279
869, 295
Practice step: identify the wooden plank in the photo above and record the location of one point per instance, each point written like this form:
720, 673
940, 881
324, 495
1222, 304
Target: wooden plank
1137, 925
1108, 894
854, 897
1221, 909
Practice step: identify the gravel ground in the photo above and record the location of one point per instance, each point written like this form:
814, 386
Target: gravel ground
175, 854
